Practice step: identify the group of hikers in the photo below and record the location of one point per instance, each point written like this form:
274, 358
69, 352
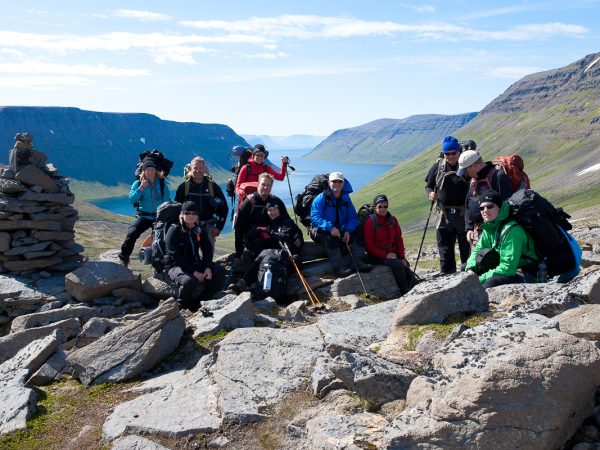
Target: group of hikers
469, 196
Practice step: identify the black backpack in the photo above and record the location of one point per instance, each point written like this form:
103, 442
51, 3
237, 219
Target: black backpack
167, 214
303, 202
163, 165
544, 222
279, 263
235, 169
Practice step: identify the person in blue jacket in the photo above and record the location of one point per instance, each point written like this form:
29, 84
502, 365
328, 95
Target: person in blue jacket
333, 223
146, 194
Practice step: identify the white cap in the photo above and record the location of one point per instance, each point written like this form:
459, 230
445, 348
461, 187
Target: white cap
466, 160
336, 176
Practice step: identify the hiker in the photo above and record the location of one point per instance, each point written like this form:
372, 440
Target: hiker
208, 197
252, 212
333, 222
483, 176
505, 253
248, 175
183, 242
146, 194
384, 243
449, 192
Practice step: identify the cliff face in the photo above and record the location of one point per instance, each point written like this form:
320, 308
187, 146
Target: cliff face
104, 147
389, 141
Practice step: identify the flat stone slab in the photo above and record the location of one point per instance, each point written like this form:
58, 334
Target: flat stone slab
133, 442
34, 176
433, 301
229, 312
379, 282
17, 266
583, 322
47, 198
47, 317
99, 278
159, 289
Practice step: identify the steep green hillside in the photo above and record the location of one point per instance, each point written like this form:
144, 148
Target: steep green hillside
388, 141
104, 147
551, 118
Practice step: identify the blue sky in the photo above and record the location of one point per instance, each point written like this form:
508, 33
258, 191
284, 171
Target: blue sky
284, 67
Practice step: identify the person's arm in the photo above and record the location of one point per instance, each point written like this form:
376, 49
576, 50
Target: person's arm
351, 219
166, 192
241, 225
180, 193
206, 249
278, 176
135, 194
510, 250
242, 175
430, 180
369, 235
316, 214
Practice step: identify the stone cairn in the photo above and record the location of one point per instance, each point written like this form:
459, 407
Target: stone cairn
36, 216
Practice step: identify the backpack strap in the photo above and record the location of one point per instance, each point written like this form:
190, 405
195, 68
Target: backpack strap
501, 233
187, 188
161, 182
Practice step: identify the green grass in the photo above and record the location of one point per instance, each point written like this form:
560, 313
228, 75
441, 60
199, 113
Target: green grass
206, 340
440, 330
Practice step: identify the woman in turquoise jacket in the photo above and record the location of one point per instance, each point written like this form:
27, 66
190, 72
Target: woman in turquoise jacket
517, 257
146, 194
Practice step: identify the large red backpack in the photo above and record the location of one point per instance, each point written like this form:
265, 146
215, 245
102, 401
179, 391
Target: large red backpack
513, 166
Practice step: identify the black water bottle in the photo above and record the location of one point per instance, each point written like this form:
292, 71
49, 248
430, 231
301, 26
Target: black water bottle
542, 274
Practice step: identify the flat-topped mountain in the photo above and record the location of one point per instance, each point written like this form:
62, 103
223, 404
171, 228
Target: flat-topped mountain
389, 141
104, 147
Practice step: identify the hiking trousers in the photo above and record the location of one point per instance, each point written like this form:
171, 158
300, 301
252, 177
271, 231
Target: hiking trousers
450, 230
187, 284
336, 249
402, 274
134, 231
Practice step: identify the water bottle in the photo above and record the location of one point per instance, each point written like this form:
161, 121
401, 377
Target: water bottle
267, 279
542, 274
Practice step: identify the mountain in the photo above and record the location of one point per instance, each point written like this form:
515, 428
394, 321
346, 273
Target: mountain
389, 141
104, 147
299, 141
551, 119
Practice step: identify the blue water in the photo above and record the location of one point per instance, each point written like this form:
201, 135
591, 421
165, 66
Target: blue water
358, 174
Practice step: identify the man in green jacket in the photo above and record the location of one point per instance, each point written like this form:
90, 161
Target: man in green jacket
517, 257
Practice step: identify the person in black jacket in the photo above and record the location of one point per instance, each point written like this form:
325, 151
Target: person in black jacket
449, 191
188, 269
208, 197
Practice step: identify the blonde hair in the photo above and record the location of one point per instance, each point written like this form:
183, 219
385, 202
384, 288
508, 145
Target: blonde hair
264, 175
159, 174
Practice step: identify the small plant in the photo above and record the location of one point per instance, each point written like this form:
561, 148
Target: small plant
206, 340
376, 349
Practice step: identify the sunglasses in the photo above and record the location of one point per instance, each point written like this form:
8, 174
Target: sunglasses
451, 153
488, 206
336, 181
190, 213
381, 207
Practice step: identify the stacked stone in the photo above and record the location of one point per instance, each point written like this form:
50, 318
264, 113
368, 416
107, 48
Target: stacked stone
36, 216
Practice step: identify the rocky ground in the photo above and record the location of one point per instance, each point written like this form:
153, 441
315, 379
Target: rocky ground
107, 359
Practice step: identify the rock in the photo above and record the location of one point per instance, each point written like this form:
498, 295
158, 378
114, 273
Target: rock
510, 380
94, 329
589, 259
262, 320
586, 287
13, 225
35, 320
47, 198
159, 289
53, 235
98, 278
49, 370
219, 442
345, 431
353, 301
266, 305
17, 402
128, 351
323, 380
229, 312
13, 342
8, 186
296, 312
132, 442
379, 282
16, 289
371, 377
134, 295
111, 256
28, 248
583, 322
18, 266
34, 176
5, 241
435, 300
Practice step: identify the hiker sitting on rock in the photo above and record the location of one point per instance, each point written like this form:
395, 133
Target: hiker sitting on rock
384, 243
253, 213
146, 194
249, 173
183, 242
505, 253
199, 188
333, 222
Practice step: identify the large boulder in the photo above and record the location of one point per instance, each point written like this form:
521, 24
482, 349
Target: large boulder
379, 282
44, 318
435, 300
507, 381
583, 322
98, 278
128, 351
229, 312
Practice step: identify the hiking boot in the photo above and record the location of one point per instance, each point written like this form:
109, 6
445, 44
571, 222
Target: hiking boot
205, 312
239, 287
124, 259
343, 272
364, 267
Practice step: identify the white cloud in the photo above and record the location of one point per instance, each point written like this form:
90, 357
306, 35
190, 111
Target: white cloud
422, 8
37, 67
276, 55
143, 16
512, 72
35, 82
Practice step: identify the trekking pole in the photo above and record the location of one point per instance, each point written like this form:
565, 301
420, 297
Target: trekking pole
356, 267
311, 294
423, 238
287, 175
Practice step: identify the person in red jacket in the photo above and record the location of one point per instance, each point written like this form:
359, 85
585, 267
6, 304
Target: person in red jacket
247, 179
384, 243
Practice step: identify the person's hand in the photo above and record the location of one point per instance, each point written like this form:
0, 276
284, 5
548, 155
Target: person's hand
346, 237
143, 184
215, 232
285, 160
391, 255
207, 274
335, 232
199, 276
433, 196
470, 236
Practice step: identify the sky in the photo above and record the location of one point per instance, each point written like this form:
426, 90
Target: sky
283, 67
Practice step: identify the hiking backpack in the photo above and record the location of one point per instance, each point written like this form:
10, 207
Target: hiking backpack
279, 262
303, 202
513, 166
163, 164
548, 227
166, 214
243, 157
